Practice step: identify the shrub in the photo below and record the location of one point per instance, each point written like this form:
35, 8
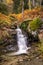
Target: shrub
3, 8
3, 36
24, 25
4, 23
35, 24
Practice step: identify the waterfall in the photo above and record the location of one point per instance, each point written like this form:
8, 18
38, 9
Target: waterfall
22, 43
21, 40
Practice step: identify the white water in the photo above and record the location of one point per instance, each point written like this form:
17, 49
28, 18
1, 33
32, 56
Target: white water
21, 40
22, 43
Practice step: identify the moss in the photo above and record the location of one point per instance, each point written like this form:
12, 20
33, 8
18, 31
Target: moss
24, 25
35, 24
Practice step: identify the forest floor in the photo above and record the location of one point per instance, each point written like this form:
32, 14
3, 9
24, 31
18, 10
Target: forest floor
34, 57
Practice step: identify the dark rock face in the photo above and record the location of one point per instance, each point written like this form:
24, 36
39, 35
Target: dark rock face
8, 40
32, 39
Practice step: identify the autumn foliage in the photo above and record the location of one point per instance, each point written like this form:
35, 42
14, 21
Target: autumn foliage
27, 14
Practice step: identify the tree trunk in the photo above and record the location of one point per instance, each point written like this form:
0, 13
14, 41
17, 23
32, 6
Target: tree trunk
29, 3
33, 3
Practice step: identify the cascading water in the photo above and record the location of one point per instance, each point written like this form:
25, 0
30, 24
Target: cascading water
22, 43
21, 40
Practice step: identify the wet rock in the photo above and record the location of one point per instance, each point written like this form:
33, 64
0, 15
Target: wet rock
20, 60
1, 59
37, 57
